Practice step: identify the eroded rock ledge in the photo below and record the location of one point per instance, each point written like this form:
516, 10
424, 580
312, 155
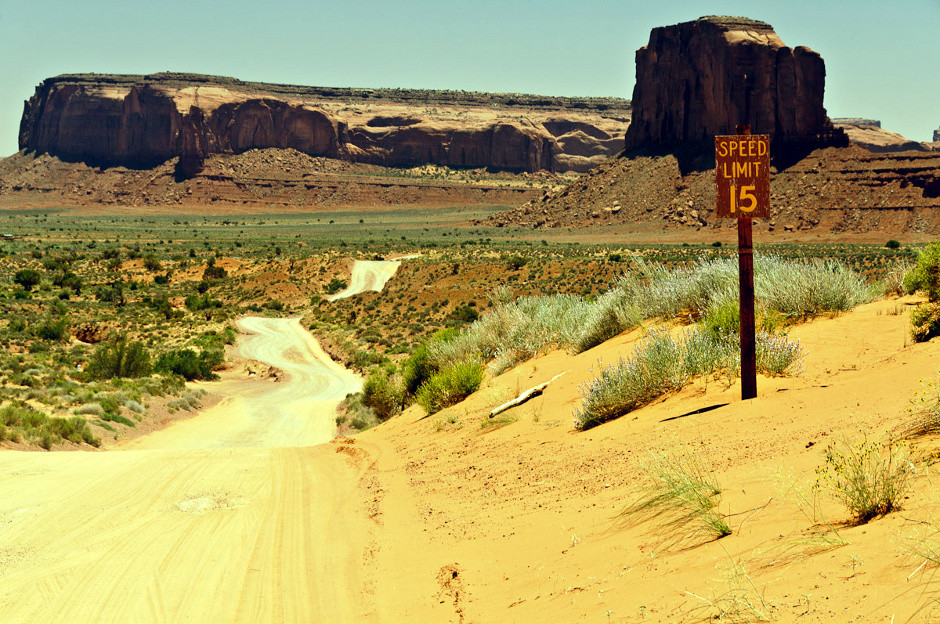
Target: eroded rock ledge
142, 121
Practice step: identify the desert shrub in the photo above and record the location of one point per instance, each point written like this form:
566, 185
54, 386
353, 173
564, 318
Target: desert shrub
514, 263
134, 406
465, 314
515, 330
926, 273
334, 286
214, 272
449, 386
118, 418
416, 369
654, 369
893, 244
152, 264
383, 392
359, 416
73, 429
894, 278
722, 317
925, 322
664, 363
869, 478
807, 288
113, 293
67, 279
776, 354
273, 304
54, 330
681, 497
186, 363
194, 303
119, 357
94, 409
27, 278
925, 410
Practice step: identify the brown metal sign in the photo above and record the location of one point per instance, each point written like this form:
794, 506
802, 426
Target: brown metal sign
742, 175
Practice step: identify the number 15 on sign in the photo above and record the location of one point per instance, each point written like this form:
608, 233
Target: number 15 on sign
747, 196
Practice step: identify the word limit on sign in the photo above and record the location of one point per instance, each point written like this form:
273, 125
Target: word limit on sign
742, 175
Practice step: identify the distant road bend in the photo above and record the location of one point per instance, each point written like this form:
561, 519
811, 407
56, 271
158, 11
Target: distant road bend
238, 514
370, 275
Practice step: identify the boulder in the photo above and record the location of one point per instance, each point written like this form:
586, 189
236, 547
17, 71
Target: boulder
701, 78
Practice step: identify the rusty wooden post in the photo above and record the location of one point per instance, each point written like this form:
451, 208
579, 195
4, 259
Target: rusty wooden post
746, 301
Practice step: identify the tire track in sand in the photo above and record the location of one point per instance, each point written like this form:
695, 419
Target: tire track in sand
231, 516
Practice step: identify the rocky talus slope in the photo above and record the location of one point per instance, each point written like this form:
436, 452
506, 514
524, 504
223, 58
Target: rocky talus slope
831, 190
143, 121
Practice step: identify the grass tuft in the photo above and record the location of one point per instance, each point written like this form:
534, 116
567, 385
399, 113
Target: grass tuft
682, 498
869, 478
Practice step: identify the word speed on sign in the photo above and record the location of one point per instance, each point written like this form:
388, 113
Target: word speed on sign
742, 175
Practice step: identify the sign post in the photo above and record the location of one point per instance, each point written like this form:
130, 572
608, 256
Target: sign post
742, 179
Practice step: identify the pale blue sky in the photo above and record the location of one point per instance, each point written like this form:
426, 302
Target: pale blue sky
882, 59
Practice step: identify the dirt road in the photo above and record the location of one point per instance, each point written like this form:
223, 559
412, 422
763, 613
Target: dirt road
369, 275
228, 517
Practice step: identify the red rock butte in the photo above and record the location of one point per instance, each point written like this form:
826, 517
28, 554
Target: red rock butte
701, 78
142, 121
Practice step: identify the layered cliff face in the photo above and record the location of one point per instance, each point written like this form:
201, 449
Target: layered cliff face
140, 121
701, 78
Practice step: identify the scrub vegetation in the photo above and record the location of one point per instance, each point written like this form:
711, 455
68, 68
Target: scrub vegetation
132, 307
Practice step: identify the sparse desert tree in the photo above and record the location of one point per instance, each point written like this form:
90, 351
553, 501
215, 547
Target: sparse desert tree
119, 357
27, 278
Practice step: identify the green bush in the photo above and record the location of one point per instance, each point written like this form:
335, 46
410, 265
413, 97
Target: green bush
336, 284
119, 357
194, 303
723, 317
925, 322
926, 273
450, 386
152, 264
27, 278
186, 363
383, 392
73, 429
113, 293
893, 244
417, 369
67, 279
55, 330
214, 272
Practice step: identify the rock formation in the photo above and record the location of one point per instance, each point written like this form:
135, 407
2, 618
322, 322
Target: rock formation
936, 135
698, 79
869, 134
141, 121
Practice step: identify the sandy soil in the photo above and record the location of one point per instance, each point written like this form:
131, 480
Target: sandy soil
453, 518
230, 516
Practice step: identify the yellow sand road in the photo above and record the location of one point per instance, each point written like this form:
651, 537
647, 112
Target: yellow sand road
230, 516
